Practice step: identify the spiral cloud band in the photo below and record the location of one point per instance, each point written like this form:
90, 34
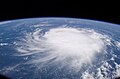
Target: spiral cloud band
68, 47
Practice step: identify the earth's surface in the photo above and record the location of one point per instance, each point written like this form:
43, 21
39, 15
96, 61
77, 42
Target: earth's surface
59, 48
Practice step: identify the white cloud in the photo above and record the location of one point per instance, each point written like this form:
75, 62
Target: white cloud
3, 44
5, 22
118, 44
71, 47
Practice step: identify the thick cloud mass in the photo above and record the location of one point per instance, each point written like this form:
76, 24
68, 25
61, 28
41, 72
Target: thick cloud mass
70, 47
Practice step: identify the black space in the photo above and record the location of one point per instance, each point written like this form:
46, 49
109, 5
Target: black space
103, 11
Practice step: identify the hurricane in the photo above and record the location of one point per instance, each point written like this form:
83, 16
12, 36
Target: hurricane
69, 48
